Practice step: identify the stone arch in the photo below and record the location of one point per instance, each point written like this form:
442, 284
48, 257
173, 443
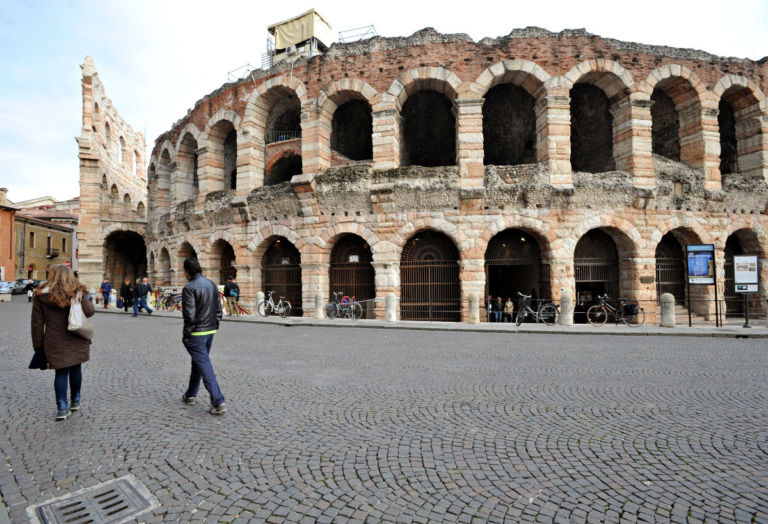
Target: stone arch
691, 230
283, 166
193, 130
141, 210
330, 235
438, 79
628, 239
340, 91
439, 225
186, 182
608, 75
281, 271
544, 235
218, 169
524, 73
261, 240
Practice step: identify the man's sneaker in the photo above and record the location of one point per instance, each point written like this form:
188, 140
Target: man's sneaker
149, 312
75, 405
188, 400
62, 414
218, 410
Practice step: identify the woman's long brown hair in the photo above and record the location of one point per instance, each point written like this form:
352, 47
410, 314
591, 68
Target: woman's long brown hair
61, 285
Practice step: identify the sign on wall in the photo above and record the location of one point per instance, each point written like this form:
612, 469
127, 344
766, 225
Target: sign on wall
745, 273
701, 263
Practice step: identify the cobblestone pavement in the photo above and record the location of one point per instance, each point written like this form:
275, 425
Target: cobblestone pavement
335, 425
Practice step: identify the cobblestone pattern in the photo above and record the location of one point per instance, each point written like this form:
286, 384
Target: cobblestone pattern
346, 425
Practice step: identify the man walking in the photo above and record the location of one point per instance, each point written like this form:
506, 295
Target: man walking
232, 292
201, 309
140, 297
106, 289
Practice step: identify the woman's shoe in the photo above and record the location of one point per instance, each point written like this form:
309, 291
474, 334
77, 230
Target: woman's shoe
62, 414
75, 405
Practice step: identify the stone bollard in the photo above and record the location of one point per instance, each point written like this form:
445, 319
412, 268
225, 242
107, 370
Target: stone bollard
474, 308
391, 313
566, 310
667, 310
259, 300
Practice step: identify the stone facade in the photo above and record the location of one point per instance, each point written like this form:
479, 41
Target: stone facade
40, 244
632, 141
113, 189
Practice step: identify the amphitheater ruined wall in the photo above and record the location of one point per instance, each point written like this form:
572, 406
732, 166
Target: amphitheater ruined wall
602, 146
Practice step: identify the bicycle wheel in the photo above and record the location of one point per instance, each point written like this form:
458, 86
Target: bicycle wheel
284, 308
548, 314
356, 310
264, 309
597, 315
634, 320
521, 316
330, 310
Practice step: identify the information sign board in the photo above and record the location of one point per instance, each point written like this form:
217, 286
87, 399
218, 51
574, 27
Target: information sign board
745, 273
701, 263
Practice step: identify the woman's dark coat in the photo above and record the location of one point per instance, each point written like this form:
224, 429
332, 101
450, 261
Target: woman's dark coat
49, 331
127, 293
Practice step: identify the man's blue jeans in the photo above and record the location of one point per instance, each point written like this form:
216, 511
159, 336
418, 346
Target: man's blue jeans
140, 302
199, 348
73, 376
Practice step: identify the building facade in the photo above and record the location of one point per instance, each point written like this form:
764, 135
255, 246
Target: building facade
7, 236
41, 244
433, 168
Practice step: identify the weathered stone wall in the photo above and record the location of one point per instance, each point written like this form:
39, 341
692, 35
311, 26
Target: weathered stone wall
113, 179
634, 196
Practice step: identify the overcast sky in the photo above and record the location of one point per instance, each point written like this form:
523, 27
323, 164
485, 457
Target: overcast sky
157, 58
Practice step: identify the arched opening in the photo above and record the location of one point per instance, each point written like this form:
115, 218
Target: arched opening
31, 271
135, 166
351, 272
739, 120
596, 267
670, 268
188, 184
163, 183
591, 130
509, 126
734, 302
125, 256
121, 154
429, 130
114, 198
665, 126
283, 169
281, 273
141, 210
185, 251
429, 278
223, 261
512, 264
284, 121
163, 270
352, 129
222, 143
127, 203
107, 136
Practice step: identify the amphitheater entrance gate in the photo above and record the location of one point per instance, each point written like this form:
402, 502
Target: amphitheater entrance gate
352, 272
429, 279
125, 256
596, 267
512, 264
224, 256
670, 269
281, 272
734, 303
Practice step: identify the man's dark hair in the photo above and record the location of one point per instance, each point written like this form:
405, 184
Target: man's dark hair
192, 266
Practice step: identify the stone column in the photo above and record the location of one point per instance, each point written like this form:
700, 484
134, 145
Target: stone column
469, 141
386, 138
472, 280
387, 281
210, 169
553, 133
315, 139
632, 139
710, 137
314, 287
247, 286
250, 158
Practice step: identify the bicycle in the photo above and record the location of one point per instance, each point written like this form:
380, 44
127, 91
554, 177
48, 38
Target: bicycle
343, 307
168, 301
268, 307
546, 312
627, 312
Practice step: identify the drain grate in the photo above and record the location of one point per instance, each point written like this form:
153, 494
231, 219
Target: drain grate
114, 501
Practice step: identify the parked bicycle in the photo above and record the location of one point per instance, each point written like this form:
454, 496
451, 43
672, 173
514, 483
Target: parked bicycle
627, 312
546, 312
269, 307
168, 301
343, 306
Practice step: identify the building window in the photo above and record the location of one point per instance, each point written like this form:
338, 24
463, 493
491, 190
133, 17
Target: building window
48, 244
32, 239
63, 245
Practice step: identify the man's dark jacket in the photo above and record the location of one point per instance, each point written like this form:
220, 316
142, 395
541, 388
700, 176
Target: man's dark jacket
201, 306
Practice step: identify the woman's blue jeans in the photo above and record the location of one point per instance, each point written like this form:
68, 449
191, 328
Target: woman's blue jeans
72, 376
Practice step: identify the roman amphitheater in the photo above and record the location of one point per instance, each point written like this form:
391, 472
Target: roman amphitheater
434, 168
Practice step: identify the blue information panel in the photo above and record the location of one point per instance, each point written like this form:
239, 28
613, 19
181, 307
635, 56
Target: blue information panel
701, 263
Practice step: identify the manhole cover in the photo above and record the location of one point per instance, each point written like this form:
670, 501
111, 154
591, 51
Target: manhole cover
114, 501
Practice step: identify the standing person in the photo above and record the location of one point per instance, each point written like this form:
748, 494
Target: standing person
232, 292
65, 351
145, 281
509, 308
106, 289
126, 293
140, 297
201, 309
489, 308
498, 309
30, 294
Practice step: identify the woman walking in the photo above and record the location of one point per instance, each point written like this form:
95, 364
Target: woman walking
126, 293
65, 351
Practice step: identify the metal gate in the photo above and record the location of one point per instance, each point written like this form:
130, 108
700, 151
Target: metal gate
734, 303
351, 272
281, 273
429, 276
670, 278
596, 266
513, 263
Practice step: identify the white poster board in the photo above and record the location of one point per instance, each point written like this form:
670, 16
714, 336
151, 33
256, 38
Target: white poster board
745, 273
